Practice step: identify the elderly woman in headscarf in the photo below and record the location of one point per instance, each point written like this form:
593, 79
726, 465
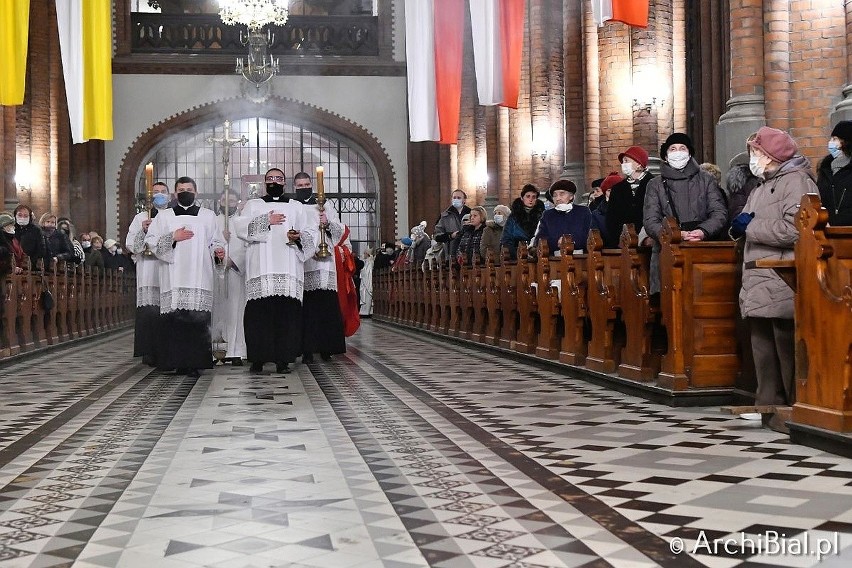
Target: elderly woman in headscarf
493, 232
767, 223
420, 243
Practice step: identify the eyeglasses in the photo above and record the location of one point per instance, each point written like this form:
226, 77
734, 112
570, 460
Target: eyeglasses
274, 178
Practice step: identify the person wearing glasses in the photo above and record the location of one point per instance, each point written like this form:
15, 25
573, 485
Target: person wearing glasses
186, 238
279, 239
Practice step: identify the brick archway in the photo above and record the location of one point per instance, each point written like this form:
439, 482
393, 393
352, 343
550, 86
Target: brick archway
274, 108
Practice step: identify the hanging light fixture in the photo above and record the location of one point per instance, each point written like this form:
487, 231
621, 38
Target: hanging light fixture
258, 67
253, 13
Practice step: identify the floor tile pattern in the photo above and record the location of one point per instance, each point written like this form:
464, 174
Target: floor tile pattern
408, 451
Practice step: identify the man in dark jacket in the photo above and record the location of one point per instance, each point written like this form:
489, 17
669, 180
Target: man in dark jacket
835, 176
449, 225
565, 218
522, 223
739, 182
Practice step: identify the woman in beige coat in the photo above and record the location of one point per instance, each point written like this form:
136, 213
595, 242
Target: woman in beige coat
768, 225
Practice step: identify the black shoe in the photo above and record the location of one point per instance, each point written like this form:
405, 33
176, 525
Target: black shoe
236, 362
256, 367
193, 373
325, 356
149, 360
282, 368
308, 358
181, 371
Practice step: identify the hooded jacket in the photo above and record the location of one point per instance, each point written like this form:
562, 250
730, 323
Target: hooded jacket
835, 192
771, 235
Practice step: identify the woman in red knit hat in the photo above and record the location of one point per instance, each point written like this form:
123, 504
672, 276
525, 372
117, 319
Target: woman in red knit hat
628, 196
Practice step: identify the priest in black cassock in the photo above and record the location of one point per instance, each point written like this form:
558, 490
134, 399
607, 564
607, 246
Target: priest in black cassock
322, 321
186, 238
278, 241
148, 335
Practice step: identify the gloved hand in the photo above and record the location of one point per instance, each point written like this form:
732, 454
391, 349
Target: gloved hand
739, 224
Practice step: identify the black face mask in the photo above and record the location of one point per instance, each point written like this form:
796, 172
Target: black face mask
186, 198
304, 193
274, 189
49, 230
65, 230
231, 210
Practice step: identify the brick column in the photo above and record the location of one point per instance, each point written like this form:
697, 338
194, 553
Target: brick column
746, 108
539, 14
843, 110
7, 158
592, 97
574, 106
776, 65
492, 156
503, 179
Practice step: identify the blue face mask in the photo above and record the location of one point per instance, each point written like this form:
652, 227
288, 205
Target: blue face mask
160, 200
548, 206
834, 149
457, 202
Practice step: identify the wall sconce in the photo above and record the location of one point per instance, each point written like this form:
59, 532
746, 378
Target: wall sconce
543, 141
23, 177
648, 104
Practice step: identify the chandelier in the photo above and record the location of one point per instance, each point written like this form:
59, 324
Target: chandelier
253, 13
258, 67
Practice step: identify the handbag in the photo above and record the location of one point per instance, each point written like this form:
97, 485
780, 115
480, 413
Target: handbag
46, 300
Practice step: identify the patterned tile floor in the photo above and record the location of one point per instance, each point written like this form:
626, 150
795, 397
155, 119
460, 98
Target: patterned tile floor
407, 451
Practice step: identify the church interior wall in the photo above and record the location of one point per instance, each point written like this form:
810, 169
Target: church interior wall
377, 104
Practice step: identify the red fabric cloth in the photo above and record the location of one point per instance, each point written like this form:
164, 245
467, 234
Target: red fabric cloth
512, 47
449, 46
346, 293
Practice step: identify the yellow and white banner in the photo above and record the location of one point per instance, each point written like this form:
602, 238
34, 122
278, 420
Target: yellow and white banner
85, 39
14, 27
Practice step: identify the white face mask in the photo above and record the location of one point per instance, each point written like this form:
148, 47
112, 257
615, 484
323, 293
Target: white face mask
627, 169
678, 159
756, 167
112, 250
22, 221
9, 229
499, 220
548, 205
565, 207
86, 244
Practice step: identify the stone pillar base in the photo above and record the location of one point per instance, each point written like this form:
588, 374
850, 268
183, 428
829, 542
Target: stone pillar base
745, 115
576, 172
843, 109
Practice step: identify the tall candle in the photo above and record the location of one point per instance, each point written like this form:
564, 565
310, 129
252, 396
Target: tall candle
149, 180
320, 183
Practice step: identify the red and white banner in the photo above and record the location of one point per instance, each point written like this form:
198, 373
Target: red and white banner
498, 40
433, 49
630, 12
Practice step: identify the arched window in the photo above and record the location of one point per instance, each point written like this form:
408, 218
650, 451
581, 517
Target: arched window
350, 178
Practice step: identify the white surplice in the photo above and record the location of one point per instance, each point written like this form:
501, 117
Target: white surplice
321, 273
228, 310
187, 279
367, 286
147, 267
274, 268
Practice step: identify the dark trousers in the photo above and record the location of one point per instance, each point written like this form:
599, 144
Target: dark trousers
772, 342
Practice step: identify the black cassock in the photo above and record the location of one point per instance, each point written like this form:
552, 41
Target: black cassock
322, 323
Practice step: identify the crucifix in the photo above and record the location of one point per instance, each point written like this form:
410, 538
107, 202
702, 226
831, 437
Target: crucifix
227, 143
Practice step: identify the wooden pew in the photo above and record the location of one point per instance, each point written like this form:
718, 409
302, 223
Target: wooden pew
527, 335
638, 361
478, 300
698, 302
491, 291
466, 292
823, 321
9, 337
574, 344
602, 297
549, 281
453, 300
507, 278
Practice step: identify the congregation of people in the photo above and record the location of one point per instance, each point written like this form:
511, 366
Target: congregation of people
757, 207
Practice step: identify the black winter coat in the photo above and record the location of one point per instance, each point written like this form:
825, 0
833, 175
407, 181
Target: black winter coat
32, 241
624, 206
835, 192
